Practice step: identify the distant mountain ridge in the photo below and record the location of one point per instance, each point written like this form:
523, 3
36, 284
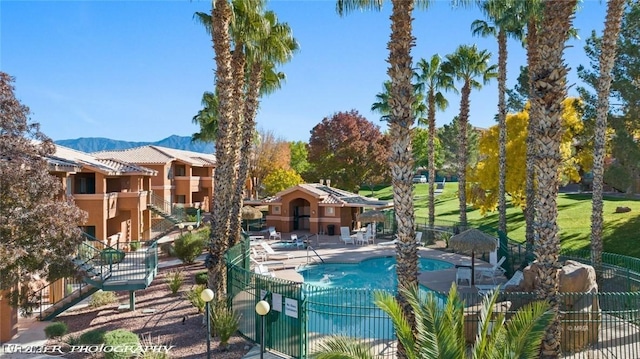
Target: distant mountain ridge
96, 144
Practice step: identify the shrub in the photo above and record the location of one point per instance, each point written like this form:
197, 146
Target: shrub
56, 329
134, 246
168, 249
121, 337
174, 280
202, 278
224, 322
95, 336
194, 297
100, 298
188, 247
148, 341
204, 232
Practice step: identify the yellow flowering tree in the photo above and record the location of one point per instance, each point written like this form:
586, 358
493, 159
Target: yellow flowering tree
280, 179
482, 186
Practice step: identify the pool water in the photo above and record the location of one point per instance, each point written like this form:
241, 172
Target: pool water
375, 273
340, 296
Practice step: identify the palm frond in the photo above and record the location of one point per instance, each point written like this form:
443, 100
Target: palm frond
526, 328
340, 347
404, 332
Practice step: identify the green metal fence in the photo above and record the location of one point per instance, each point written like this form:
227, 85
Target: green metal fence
594, 325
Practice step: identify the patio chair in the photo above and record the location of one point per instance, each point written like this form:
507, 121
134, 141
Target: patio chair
491, 273
270, 252
463, 274
369, 235
299, 242
484, 289
273, 234
360, 238
419, 238
346, 237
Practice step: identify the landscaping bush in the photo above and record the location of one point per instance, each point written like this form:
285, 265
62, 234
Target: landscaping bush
194, 297
148, 341
188, 247
224, 322
100, 298
121, 337
134, 246
111, 256
205, 232
95, 336
174, 280
56, 329
202, 278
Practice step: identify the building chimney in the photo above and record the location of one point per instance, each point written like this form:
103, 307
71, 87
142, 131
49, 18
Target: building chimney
328, 183
321, 181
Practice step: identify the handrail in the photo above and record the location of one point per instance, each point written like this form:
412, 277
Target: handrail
314, 251
166, 207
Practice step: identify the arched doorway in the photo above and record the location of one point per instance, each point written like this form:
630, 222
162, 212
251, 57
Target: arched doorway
300, 210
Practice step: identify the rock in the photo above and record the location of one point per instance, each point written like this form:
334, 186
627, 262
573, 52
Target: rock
623, 209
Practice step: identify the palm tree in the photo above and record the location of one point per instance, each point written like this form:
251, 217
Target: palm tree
466, 64
608, 47
549, 82
207, 119
400, 124
506, 22
433, 81
441, 330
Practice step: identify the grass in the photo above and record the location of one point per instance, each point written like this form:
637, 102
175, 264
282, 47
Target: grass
574, 217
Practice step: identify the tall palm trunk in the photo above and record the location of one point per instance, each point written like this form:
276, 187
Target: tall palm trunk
223, 176
248, 127
608, 48
432, 157
502, 125
534, 116
462, 152
549, 81
401, 161
238, 66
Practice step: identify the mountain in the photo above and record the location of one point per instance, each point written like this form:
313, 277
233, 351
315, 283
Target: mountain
95, 144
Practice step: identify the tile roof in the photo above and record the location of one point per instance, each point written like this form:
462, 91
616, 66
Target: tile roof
331, 196
159, 155
80, 159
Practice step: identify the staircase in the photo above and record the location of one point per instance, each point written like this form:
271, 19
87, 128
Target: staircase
96, 265
165, 210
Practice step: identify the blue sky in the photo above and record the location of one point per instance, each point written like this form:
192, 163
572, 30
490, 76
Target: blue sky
136, 70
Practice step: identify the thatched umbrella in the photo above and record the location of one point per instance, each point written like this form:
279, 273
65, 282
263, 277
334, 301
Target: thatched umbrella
247, 213
473, 240
372, 216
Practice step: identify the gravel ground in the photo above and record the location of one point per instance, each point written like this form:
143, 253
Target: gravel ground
173, 322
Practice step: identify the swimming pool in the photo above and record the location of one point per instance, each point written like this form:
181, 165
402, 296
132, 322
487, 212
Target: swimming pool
340, 296
375, 273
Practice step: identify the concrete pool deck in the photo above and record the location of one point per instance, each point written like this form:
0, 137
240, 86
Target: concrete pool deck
332, 250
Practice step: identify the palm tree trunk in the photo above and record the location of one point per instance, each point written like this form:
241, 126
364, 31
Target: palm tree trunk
238, 65
534, 116
223, 175
401, 160
462, 152
502, 125
549, 81
608, 49
432, 159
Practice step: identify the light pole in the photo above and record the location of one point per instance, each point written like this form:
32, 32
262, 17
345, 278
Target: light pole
262, 309
190, 228
207, 297
181, 226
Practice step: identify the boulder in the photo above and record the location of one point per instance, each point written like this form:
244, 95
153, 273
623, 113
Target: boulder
623, 209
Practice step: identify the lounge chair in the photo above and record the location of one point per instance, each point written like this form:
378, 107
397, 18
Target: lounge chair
393, 242
491, 273
463, 274
266, 263
273, 234
346, 237
515, 280
271, 253
262, 269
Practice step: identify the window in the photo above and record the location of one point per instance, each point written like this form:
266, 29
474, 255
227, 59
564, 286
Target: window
180, 170
329, 211
181, 198
276, 209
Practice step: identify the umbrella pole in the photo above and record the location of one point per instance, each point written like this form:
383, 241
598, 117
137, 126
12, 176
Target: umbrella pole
473, 268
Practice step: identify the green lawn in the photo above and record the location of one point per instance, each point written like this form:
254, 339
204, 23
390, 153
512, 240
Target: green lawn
621, 230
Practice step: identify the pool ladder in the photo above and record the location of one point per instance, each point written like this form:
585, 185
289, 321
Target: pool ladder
314, 251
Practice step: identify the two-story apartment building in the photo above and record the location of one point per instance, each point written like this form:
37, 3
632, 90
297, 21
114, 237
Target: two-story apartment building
185, 178
114, 194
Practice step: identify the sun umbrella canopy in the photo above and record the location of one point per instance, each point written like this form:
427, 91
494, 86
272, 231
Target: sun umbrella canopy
371, 216
248, 212
473, 240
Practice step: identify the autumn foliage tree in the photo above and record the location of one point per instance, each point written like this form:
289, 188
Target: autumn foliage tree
482, 188
280, 179
38, 226
348, 149
269, 154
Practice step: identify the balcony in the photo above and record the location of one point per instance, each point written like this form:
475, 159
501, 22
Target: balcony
186, 184
206, 182
133, 200
99, 206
